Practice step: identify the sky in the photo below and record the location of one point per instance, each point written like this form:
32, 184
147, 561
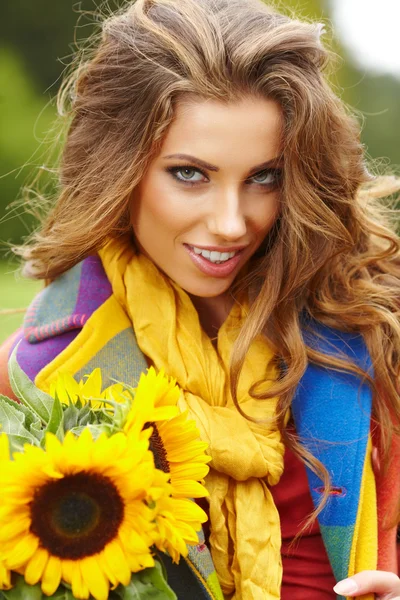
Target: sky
370, 30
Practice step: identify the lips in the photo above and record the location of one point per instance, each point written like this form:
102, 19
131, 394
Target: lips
222, 268
219, 248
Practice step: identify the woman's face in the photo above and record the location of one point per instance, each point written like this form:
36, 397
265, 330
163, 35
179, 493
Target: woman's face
209, 198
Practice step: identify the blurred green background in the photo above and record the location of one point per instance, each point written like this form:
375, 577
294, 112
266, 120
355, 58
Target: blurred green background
37, 40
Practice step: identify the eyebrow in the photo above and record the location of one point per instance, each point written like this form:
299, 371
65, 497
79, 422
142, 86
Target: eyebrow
273, 162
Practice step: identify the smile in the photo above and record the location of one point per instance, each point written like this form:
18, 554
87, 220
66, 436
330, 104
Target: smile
215, 263
214, 256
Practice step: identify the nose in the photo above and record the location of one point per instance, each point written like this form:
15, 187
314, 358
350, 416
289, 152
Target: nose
226, 218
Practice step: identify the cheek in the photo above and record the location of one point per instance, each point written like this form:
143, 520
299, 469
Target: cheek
149, 204
266, 217
158, 210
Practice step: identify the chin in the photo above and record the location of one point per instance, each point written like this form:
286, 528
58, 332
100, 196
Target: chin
207, 291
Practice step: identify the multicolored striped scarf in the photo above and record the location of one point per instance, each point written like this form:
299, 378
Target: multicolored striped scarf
331, 409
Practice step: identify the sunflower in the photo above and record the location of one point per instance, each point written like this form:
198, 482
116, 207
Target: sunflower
175, 438
178, 521
5, 579
179, 452
156, 398
69, 390
78, 511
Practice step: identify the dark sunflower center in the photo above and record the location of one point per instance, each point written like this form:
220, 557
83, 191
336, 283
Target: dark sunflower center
75, 514
157, 447
78, 515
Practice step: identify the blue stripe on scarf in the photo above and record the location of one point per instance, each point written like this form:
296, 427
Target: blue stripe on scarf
332, 412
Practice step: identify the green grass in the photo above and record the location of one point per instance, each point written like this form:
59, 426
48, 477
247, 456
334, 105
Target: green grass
15, 293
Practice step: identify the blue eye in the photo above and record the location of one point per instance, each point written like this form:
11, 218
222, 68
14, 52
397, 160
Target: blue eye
185, 174
264, 177
269, 177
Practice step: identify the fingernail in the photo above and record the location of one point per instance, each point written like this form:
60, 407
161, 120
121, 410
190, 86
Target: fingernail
346, 586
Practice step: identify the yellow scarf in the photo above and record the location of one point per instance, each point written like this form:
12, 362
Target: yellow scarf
246, 457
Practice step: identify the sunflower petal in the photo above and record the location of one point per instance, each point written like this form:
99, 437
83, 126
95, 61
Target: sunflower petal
196, 471
67, 570
92, 385
35, 567
188, 489
117, 562
94, 578
5, 577
79, 588
21, 552
51, 576
14, 527
186, 510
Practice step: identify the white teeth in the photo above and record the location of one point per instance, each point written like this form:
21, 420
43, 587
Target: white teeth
214, 256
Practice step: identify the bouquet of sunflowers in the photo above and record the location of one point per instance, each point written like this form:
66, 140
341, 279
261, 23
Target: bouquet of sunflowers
95, 487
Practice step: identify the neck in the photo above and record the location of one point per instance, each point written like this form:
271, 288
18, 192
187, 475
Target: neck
212, 312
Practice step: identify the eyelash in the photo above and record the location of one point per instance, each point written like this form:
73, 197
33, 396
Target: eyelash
174, 170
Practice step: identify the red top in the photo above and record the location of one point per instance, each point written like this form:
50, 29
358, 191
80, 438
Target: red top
306, 569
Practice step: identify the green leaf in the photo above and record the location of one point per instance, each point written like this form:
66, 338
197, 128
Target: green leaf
32, 423
56, 421
17, 442
70, 417
11, 414
121, 411
37, 431
86, 415
95, 430
148, 584
37, 401
62, 594
12, 423
23, 591
102, 416
30, 418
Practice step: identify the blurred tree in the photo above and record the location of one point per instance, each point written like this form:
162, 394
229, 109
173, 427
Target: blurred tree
24, 119
43, 32
376, 98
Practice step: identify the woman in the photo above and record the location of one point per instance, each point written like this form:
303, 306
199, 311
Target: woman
215, 218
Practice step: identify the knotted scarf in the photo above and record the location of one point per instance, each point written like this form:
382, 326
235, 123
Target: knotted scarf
246, 457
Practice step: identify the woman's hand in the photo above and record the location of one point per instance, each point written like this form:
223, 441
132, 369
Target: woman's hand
384, 584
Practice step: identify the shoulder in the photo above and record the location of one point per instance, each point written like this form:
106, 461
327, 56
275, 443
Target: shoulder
55, 317
5, 351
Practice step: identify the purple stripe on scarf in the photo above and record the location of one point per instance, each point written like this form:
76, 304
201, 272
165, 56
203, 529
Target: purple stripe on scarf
54, 337
94, 288
32, 359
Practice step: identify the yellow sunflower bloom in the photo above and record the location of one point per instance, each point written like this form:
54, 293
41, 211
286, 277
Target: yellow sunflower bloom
182, 455
77, 512
69, 390
156, 398
175, 438
178, 452
5, 579
178, 522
